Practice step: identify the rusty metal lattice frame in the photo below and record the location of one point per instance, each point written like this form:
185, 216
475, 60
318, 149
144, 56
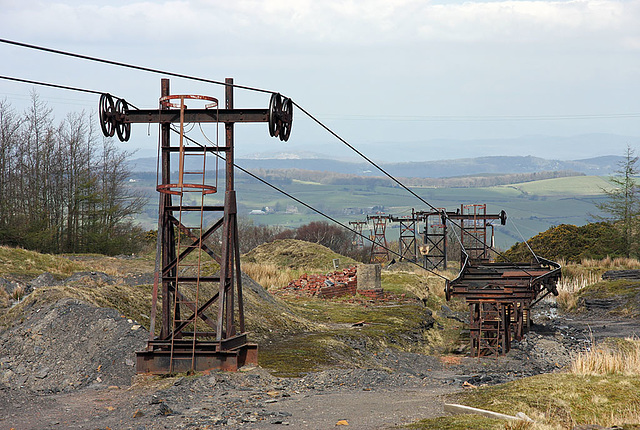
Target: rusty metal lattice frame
434, 250
224, 345
474, 222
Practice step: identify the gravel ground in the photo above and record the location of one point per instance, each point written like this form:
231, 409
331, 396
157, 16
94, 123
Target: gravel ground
70, 365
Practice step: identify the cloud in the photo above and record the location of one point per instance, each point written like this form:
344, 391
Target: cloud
359, 23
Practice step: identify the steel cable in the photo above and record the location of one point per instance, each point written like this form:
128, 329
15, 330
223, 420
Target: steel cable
129, 66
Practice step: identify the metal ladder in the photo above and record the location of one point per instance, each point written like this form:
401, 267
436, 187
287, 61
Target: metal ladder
186, 296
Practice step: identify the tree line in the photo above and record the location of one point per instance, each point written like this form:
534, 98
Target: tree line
63, 187
286, 176
334, 237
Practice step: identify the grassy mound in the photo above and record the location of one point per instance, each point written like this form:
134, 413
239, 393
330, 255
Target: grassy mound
553, 401
296, 254
621, 297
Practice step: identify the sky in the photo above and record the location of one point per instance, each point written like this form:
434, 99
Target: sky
402, 80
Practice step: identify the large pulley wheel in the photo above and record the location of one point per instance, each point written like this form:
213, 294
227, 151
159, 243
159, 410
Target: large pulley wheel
287, 114
275, 107
106, 114
123, 129
280, 116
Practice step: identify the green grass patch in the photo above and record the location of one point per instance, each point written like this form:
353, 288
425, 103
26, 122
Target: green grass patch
458, 422
571, 186
303, 353
558, 401
333, 341
412, 284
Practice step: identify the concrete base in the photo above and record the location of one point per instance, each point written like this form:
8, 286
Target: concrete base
369, 276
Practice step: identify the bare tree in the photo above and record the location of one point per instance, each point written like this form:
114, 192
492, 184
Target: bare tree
60, 191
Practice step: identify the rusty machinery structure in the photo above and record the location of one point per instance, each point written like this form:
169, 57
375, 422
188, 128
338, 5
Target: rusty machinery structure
379, 246
499, 294
194, 335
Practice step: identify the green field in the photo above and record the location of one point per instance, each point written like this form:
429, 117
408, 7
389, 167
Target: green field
532, 207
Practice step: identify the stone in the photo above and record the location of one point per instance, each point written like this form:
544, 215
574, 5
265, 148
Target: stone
369, 276
42, 373
44, 280
164, 409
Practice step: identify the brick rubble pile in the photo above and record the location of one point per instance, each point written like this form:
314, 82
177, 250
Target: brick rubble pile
335, 284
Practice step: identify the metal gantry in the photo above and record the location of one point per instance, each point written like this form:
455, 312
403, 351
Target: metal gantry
474, 223
202, 314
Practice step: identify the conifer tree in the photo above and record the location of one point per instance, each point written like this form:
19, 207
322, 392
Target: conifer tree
622, 204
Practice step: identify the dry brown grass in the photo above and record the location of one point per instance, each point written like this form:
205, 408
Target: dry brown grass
612, 263
568, 287
519, 425
114, 266
4, 298
621, 356
589, 271
575, 277
18, 263
18, 293
270, 276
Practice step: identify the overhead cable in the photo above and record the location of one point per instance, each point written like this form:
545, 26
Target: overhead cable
410, 191
129, 66
46, 84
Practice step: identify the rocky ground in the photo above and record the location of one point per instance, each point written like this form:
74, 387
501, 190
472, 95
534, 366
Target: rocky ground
70, 365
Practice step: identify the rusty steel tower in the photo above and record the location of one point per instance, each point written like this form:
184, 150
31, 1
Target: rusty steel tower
202, 314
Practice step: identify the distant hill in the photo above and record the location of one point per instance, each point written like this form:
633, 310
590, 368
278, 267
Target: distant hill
426, 169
